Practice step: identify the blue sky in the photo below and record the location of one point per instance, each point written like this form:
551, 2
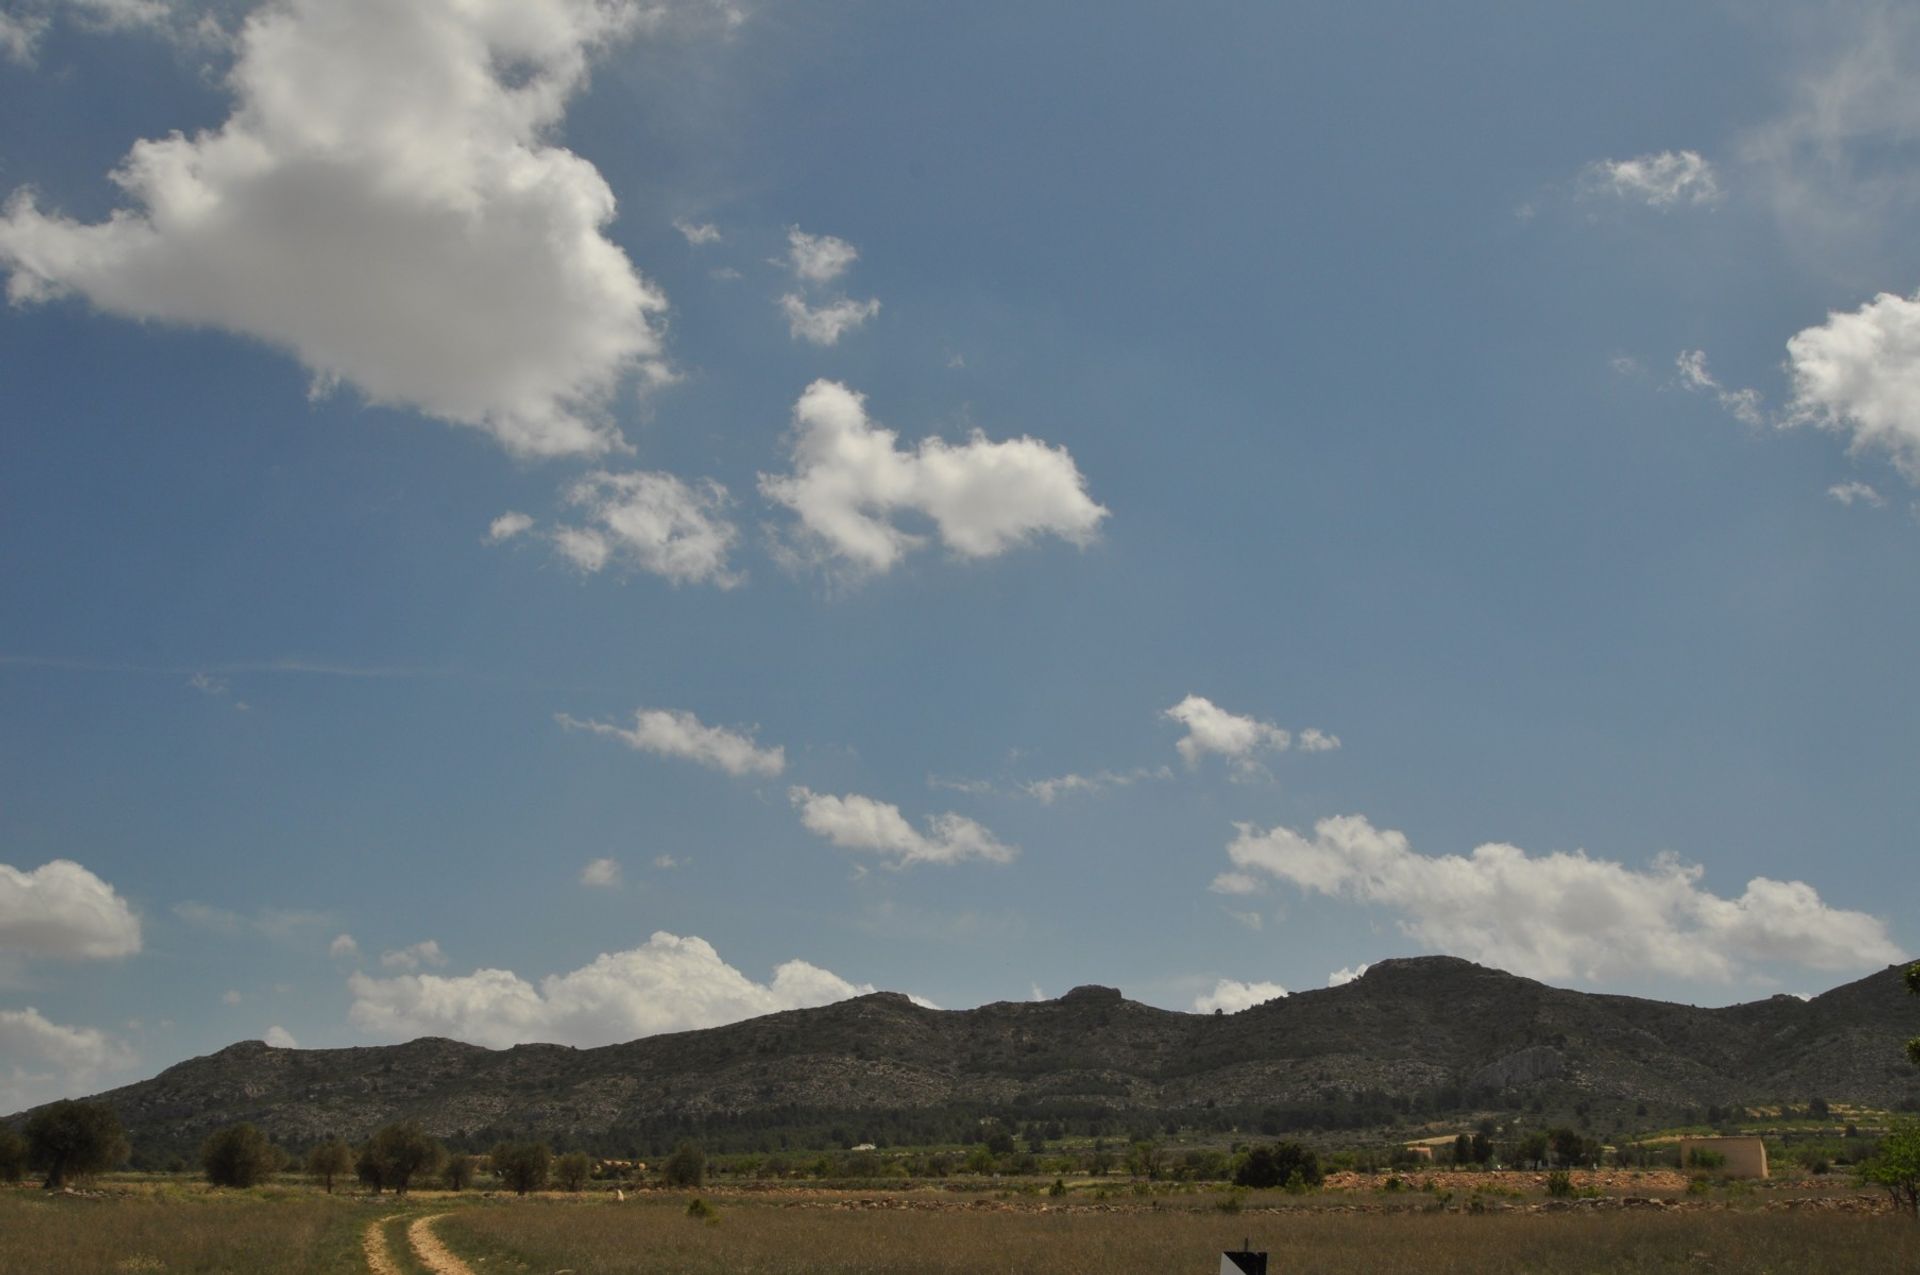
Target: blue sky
566, 520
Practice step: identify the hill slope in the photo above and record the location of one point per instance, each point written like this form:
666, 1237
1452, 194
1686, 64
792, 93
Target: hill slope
1431, 1033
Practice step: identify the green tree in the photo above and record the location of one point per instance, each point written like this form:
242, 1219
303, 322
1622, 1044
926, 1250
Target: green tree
457, 1175
397, 1154
1913, 987
13, 1155
572, 1170
331, 1159
1897, 1167
687, 1166
238, 1155
1270, 1166
523, 1166
71, 1139
1144, 1159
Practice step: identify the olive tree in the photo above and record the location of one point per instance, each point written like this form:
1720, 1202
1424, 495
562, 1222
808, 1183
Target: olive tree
397, 1154
13, 1155
523, 1166
331, 1159
687, 1166
72, 1139
573, 1170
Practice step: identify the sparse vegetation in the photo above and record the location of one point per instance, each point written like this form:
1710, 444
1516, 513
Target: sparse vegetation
1896, 1168
457, 1173
1266, 1167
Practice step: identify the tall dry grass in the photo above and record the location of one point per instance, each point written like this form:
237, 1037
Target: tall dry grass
758, 1238
181, 1230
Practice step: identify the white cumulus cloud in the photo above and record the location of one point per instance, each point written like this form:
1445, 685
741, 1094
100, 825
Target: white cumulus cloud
1660, 180
62, 910
41, 1060
1858, 374
1562, 915
669, 732
280, 1038
386, 203
669, 984
696, 232
343, 945
507, 526
854, 822
1853, 492
656, 522
1240, 739
1231, 996
851, 479
426, 952
818, 258
1347, 974
601, 874
826, 323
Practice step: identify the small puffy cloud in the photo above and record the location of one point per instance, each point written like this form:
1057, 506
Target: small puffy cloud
669, 984
1660, 180
426, 952
231, 997
62, 910
667, 863
854, 822
280, 1038
1858, 374
41, 1060
1743, 404
1351, 973
826, 323
1855, 492
1241, 740
697, 233
1230, 996
669, 732
387, 203
655, 522
208, 684
1047, 791
851, 479
507, 526
1565, 915
601, 874
343, 945
818, 258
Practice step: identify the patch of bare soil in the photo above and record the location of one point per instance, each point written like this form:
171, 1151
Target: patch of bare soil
379, 1256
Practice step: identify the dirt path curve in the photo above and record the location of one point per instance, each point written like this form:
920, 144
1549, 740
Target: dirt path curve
431, 1252
379, 1256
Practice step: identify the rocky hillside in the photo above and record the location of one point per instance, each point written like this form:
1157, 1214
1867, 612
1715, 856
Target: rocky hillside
1443, 1033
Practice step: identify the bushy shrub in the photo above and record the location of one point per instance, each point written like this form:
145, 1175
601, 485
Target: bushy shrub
1267, 1167
1897, 1167
687, 1166
238, 1156
1560, 1184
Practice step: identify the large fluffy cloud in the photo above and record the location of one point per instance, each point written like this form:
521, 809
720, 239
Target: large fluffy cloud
669, 984
1563, 915
44, 1060
62, 910
1859, 374
854, 822
851, 479
386, 203
667, 732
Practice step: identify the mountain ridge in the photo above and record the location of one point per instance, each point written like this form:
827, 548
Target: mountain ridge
1412, 1034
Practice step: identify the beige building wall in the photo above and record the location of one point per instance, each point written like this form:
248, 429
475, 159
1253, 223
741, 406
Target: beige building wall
1746, 1157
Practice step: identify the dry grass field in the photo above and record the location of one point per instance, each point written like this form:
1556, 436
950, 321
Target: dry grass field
186, 1227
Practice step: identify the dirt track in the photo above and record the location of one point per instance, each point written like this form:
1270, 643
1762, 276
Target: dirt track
426, 1247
